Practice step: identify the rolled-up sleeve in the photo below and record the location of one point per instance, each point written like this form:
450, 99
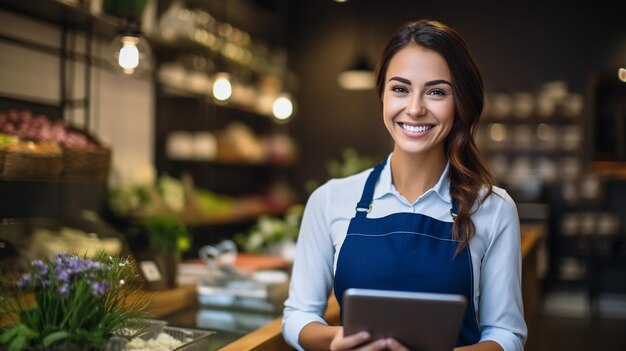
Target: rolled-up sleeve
501, 306
312, 275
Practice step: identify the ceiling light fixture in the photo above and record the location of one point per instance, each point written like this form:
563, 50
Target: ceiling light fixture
359, 76
129, 52
282, 108
222, 88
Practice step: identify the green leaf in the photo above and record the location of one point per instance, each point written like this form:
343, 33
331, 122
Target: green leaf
54, 337
8, 335
18, 343
27, 332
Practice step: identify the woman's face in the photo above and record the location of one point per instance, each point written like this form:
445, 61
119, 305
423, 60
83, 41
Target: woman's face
418, 105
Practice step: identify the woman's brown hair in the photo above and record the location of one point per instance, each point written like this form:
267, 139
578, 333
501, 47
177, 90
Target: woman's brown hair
469, 173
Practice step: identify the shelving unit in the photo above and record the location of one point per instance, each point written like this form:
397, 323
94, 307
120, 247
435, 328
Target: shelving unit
185, 104
41, 197
540, 158
532, 148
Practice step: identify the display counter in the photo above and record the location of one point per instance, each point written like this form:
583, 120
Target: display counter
269, 338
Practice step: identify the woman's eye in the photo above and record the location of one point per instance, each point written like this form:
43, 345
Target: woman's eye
399, 89
438, 92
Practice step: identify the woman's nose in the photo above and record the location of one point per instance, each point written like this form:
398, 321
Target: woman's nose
416, 106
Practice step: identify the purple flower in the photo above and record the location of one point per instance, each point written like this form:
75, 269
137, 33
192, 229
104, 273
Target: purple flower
63, 276
64, 290
99, 288
39, 265
24, 281
74, 265
63, 258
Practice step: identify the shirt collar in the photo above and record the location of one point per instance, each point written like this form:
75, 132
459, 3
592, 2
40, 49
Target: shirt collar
385, 186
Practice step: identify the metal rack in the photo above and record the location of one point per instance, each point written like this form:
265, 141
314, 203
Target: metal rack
71, 20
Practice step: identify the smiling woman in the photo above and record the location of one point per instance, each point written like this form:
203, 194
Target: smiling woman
428, 219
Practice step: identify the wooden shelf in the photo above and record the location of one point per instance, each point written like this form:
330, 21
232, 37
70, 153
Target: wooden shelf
241, 211
557, 119
237, 164
167, 88
531, 151
244, 211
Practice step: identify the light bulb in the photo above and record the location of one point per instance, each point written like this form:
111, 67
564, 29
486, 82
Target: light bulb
222, 89
621, 74
282, 107
130, 53
358, 77
128, 58
356, 80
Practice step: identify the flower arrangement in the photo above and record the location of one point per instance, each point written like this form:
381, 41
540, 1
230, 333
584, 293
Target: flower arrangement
79, 304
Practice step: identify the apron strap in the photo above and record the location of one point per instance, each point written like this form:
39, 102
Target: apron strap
365, 204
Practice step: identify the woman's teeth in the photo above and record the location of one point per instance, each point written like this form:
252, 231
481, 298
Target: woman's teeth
415, 129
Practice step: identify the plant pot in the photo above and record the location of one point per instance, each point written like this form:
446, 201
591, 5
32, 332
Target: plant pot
158, 270
170, 263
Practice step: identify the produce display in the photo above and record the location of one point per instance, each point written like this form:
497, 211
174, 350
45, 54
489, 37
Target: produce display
194, 205
38, 146
6, 139
45, 147
235, 143
166, 195
27, 126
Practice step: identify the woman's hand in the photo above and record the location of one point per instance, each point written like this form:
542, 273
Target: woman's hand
355, 342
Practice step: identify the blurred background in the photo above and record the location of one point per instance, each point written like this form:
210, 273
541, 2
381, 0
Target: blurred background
154, 127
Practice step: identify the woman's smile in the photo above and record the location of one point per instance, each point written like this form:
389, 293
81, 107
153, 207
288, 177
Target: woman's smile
413, 129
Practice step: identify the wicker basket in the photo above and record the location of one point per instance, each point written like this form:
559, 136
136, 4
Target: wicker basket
94, 164
27, 164
87, 163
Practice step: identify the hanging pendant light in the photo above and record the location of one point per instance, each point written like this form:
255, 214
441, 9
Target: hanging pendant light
129, 52
222, 87
621, 74
360, 76
282, 108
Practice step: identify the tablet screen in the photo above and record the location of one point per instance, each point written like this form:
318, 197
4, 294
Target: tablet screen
419, 321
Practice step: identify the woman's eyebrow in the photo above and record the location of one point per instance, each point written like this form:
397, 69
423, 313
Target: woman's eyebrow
427, 84
438, 81
400, 79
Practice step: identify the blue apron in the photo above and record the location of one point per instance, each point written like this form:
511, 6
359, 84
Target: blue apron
407, 252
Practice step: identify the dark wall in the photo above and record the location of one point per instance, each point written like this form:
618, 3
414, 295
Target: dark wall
519, 46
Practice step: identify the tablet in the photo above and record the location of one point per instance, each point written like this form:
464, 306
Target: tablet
419, 321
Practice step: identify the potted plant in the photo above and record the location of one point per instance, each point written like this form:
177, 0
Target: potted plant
77, 304
167, 238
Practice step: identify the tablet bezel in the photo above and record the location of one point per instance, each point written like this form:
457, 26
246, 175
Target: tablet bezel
419, 321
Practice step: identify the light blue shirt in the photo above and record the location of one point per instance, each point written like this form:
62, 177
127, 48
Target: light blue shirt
494, 249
